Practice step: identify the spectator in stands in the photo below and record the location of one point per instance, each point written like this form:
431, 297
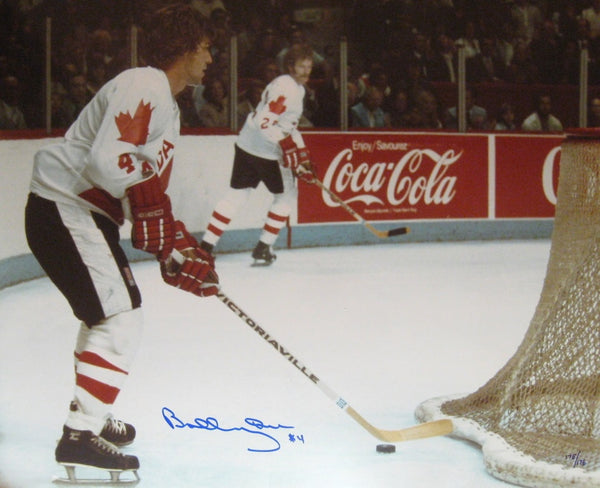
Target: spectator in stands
215, 112
424, 112
477, 117
4, 65
469, 40
541, 119
221, 24
420, 51
399, 108
506, 118
522, 68
504, 44
444, 64
594, 113
249, 100
71, 56
566, 20
583, 32
547, 52
187, 108
206, 7
485, 67
414, 81
527, 20
97, 75
267, 70
266, 48
249, 33
100, 51
368, 112
376, 76
353, 98
11, 111
592, 16
570, 65
327, 96
58, 114
77, 96
451, 18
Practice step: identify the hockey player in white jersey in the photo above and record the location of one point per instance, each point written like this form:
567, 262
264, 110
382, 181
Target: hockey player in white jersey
114, 164
269, 148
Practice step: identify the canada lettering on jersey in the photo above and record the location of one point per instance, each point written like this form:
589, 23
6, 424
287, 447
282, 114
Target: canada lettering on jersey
165, 155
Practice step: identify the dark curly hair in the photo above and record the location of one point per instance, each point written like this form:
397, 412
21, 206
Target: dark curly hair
171, 32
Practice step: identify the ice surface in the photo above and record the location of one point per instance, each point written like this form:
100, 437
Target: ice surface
384, 326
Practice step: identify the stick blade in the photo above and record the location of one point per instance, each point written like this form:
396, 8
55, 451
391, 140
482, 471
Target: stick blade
420, 431
398, 231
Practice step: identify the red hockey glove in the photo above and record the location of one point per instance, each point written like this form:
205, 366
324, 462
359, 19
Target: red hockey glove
306, 172
187, 245
190, 273
153, 226
293, 156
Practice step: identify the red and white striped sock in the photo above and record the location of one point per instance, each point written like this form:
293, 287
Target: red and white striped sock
217, 225
272, 227
223, 213
103, 357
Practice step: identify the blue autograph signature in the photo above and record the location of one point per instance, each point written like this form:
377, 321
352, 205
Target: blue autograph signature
253, 426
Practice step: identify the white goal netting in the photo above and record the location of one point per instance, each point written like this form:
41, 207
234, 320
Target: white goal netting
538, 418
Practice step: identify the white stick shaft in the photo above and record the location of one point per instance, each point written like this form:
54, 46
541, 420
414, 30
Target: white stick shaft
428, 429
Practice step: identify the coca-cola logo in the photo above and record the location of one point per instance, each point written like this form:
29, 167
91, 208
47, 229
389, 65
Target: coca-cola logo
551, 164
419, 176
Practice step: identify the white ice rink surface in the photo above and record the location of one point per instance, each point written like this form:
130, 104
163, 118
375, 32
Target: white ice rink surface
385, 326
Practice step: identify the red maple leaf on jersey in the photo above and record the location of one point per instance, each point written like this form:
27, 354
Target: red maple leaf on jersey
135, 129
278, 106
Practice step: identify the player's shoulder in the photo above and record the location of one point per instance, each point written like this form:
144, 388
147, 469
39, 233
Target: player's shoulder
285, 82
145, 80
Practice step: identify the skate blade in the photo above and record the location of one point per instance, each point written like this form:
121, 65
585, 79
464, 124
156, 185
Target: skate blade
261, 264
115, 477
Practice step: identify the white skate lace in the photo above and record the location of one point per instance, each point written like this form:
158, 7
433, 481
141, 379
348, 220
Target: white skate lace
106, 446
116, 425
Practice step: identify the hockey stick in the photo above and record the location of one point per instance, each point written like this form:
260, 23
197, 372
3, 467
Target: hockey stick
382, 234
428, 429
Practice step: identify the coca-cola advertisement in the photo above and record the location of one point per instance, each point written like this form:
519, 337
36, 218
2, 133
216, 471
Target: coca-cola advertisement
397, 176
527, 169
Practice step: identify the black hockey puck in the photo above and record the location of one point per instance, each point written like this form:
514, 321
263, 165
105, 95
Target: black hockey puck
386, 448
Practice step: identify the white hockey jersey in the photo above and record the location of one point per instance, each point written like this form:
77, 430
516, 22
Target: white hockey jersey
276, 115
131, 125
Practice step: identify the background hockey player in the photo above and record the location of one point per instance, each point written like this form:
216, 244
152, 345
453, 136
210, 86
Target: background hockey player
270, 149
114, 164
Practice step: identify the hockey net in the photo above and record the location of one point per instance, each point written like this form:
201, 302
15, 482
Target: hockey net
538, 418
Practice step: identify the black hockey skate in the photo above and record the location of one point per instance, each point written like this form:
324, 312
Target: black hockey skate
117, 432
263, 254
82, 448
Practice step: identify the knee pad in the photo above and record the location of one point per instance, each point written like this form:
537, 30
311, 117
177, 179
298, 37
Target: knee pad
232, 201
282, 204
116, 338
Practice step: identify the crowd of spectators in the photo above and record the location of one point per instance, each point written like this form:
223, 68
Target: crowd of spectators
400, 51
